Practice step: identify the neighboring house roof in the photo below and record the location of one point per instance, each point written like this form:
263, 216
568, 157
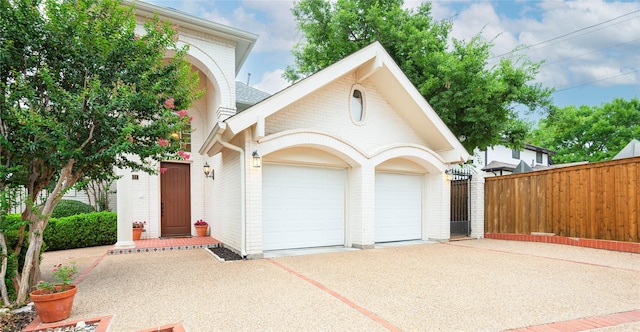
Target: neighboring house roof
247, 96
371, 63
244, 40
522, 168
539, 149
630, 150
495, 166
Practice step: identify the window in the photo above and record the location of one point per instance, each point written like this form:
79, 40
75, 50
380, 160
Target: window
183, 138
538, 157
515, 153
357, 106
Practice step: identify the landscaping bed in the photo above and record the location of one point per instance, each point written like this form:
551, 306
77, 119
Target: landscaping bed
225, 254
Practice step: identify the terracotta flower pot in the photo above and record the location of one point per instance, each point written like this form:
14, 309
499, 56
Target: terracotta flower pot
201, 230
54, 307
137, 232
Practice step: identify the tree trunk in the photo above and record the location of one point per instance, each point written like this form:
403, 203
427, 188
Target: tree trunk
34, 236
39, 222
3, 270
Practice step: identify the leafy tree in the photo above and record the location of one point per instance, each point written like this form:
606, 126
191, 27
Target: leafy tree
80, 94
589, 133
475, 100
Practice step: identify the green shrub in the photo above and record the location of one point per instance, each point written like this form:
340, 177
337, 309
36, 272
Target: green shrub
68, 207
82, 230
79, 231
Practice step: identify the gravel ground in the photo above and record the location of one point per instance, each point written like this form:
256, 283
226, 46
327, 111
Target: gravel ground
83, 258
479, 285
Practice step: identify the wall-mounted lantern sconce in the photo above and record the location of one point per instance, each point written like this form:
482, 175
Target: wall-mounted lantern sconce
448, 175
208, 170
257, 160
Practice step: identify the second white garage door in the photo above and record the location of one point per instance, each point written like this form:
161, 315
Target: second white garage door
302, 207
398, 207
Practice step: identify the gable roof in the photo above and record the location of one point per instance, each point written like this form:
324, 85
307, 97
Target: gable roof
244, 41
630, 150
372, 63
522, 168
247, 96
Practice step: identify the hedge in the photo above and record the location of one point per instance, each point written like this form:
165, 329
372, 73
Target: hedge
81, 230
67, 207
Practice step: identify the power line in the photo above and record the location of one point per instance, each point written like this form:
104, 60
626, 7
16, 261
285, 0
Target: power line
598, 80
565, 35
583, 54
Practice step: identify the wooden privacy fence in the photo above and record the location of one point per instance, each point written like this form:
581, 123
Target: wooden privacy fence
595, 201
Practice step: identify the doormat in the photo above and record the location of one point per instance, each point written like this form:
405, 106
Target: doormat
175, 237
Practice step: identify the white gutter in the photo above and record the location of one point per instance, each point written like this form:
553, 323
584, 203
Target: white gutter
243, 213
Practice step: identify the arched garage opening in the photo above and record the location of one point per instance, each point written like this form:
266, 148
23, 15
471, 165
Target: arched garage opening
401, 192
399, 197
303, 198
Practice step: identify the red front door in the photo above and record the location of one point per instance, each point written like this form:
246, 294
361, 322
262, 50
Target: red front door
175, 199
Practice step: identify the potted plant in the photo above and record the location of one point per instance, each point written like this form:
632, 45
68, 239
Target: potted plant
53, 301
201, 227
138, 226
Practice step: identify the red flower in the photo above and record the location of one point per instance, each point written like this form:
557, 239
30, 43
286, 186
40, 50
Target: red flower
163, 142
162, 170
169, 103
184, 155
182, 113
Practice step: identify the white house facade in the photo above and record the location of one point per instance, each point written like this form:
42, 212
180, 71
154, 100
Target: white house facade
502, 160
216, 52
350, 156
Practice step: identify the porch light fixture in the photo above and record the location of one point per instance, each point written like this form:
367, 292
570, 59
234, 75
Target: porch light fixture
448, 175
207, 169
257, 160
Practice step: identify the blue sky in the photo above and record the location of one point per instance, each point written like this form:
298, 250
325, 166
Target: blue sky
591, 48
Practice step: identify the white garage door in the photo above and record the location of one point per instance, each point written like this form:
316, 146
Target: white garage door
302, 207
398, 207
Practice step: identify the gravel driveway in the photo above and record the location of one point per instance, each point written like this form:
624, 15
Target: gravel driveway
478, 285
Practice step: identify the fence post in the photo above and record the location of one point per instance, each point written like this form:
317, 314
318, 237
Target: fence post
477, 206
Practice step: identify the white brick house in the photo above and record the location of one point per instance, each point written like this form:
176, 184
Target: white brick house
352, 156
501, 160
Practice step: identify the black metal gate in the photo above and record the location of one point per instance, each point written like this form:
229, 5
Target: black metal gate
460, 202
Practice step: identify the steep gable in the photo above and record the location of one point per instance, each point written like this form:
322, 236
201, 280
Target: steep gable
371, 66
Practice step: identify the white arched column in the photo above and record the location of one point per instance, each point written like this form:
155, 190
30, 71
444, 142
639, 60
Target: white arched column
125, 206
362, 201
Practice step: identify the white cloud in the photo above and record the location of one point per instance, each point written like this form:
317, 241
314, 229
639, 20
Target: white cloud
272, 82
587, 55
271, 20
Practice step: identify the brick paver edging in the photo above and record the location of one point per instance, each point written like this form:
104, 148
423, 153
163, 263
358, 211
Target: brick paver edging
333, 293
585, 324
631, 247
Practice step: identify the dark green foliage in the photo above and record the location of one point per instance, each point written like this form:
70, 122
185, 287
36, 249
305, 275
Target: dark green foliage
10, 227
82, 230
68, 207
591, 133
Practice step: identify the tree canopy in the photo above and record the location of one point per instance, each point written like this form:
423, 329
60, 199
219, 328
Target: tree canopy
589, 133
476, 101
82, 93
